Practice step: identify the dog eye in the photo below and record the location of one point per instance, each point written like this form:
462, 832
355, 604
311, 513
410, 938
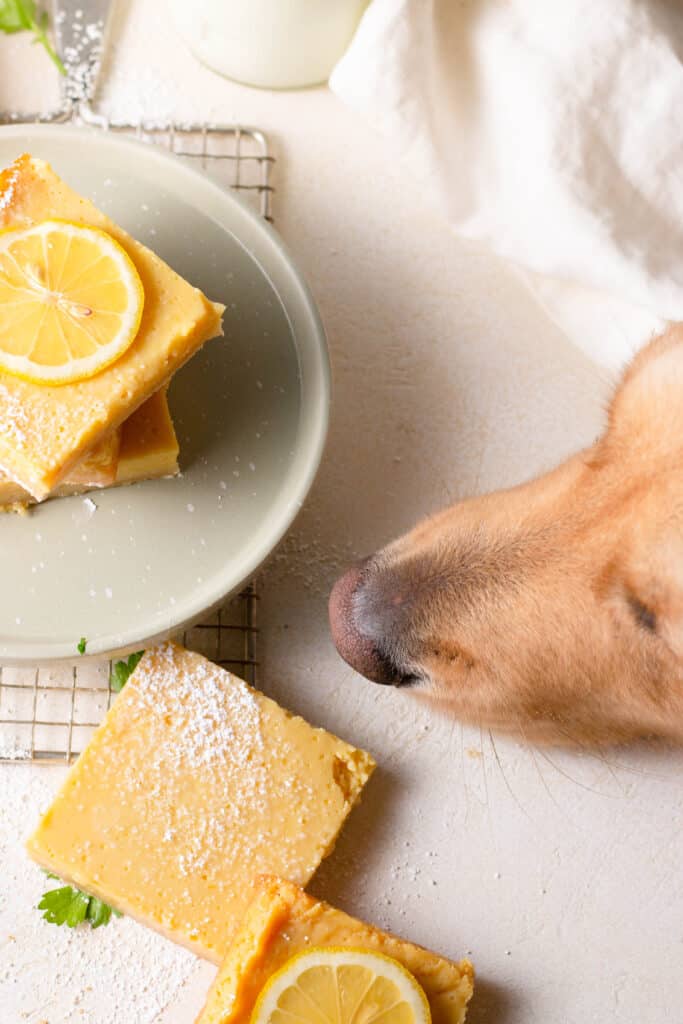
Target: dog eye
643, 615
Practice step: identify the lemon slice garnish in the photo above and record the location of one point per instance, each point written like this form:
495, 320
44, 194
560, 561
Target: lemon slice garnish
341, 986
70, 301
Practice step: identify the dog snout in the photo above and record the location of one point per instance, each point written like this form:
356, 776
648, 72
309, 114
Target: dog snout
360, 620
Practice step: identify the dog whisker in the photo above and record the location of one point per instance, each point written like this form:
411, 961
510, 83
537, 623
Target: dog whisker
599, 754
483, 769
507, 783
463, 768
570, 778
595, 754
529, 747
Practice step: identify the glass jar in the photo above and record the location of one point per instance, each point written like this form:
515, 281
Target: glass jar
274, 44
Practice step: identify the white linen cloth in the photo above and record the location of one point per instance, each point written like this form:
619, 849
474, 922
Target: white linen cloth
552, 132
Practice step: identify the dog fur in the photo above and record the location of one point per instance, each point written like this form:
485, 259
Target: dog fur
554, 609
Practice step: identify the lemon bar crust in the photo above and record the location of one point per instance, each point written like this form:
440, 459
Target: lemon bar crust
283, 920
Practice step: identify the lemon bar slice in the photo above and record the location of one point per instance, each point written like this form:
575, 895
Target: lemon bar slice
144, 448
46, 430
192, 786
282, 921
99, 467
149, 446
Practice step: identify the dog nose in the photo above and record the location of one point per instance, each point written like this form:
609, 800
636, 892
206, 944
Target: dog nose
357, 647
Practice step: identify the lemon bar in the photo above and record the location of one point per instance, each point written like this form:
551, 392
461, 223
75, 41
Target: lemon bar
149, 446
144, 448
282, 921
46, 430
192, 786
98, 467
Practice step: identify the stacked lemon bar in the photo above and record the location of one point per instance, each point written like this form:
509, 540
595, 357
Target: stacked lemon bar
201, 808
93, 325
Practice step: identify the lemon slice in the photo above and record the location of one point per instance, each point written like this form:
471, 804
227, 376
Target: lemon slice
70, 301
341, 986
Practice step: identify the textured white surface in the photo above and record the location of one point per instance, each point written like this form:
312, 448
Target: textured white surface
560, 873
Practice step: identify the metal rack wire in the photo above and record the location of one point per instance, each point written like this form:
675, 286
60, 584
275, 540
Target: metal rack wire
237, 156
48, 713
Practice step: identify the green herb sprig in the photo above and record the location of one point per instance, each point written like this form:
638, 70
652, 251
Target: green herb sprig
25, 16
82, 643
122, 670
69, 906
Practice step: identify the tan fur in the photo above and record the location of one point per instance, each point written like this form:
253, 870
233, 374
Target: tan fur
556, 608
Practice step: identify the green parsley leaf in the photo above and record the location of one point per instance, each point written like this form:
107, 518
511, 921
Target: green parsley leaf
122, 670
99, 913
24, 16
81, 645
14, 16
64, 906
71, 907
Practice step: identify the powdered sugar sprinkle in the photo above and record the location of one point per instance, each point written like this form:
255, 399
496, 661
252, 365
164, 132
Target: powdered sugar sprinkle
64, 975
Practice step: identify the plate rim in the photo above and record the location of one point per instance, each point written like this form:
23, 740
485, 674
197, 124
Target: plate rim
315, 401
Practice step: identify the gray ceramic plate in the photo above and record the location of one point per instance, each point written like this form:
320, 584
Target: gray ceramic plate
250, 410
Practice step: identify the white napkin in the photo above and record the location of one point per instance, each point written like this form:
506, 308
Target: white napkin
553, 132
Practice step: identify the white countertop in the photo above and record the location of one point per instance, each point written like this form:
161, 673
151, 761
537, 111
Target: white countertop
560, 874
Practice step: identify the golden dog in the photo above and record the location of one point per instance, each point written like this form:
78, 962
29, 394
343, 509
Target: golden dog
555, 608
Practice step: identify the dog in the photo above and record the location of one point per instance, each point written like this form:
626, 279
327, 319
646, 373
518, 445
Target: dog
553, 610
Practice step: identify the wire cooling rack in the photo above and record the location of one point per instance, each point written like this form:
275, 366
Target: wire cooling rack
48, 714
237, 156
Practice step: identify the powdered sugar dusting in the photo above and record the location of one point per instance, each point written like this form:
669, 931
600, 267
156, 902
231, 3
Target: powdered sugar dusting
14, 421
27, 425
209, 719
220, 723
62, 975
81, 52
15, 752
7, 194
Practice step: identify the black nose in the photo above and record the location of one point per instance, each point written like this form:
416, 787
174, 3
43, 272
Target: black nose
357, 646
